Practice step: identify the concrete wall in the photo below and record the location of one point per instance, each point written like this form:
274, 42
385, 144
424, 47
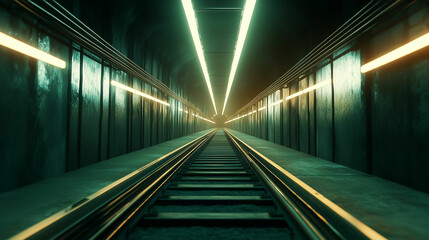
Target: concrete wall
376, 122
56, 120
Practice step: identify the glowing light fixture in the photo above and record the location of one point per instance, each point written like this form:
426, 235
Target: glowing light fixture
314, 87
244, 26
193, 26
132, 90
309, 89
277, 102
205, 119
28, 50
406, 49
202, 118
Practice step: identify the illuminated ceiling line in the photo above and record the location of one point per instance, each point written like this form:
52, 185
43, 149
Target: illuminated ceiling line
244, 26
193, 26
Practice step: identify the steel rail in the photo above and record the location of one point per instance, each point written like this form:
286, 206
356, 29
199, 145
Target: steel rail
101, 203
56, 16
336, 220
109, 230
310, 229
357, 25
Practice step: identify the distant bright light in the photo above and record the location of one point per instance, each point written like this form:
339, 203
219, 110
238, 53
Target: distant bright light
262, 108
132, 90
244, 26
28, 50
406, 49
193, 26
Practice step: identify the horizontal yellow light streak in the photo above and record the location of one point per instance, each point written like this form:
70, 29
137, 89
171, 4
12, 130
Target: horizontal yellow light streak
132, 90
294, 95
277, 102
316, 86
400, 52
202, 118
244, 26
16, 45
193, 26
309, 89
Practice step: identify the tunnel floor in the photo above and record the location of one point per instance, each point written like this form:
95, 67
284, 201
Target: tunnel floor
391, 209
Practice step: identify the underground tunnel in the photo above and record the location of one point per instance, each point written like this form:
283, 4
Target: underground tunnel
214, 119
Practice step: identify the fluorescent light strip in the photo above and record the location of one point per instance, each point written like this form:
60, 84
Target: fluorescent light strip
309, 89
193, 26
202, 118
205, 119
278, 102
406, 49
28, 50
314, 87
132, 90
244, 26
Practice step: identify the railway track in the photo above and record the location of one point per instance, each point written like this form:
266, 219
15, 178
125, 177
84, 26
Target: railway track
214, 187
215, 195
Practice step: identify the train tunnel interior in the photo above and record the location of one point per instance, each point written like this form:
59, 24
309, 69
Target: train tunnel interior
327, 98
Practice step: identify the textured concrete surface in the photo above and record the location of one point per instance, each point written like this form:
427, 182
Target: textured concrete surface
26, 206
394, 210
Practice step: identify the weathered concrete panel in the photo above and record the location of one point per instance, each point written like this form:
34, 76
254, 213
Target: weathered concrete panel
312, 115
105, 114
73, 139
90, 127
324, 114
294, 118
136, 117
118, 116
303, 118
350, 124
286, 118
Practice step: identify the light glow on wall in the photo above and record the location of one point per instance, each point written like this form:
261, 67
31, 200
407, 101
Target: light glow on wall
400, 52
132, 90
193, 26
309, 89
244, 26
16, 45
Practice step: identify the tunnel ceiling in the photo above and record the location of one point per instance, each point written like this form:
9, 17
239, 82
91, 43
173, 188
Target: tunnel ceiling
280, 34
